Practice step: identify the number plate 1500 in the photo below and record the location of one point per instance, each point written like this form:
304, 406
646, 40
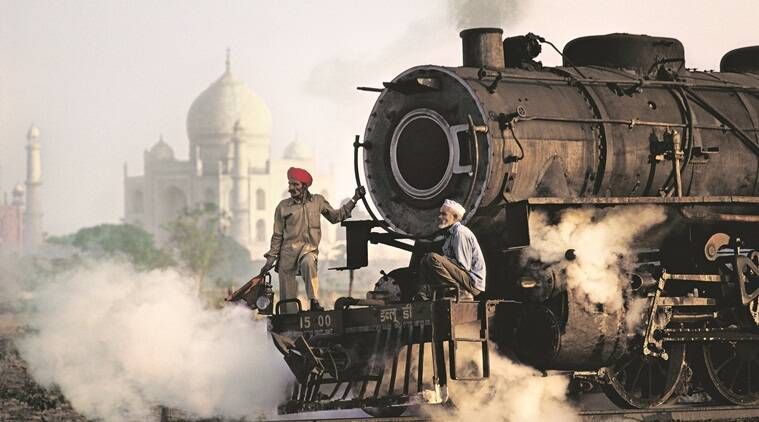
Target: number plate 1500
320, 322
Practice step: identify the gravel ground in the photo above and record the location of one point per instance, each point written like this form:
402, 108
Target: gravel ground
21, 398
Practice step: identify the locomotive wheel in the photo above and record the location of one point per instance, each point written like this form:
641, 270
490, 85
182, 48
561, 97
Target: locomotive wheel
733, 371
638, 381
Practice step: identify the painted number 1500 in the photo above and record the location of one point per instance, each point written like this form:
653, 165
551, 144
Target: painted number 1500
315, 322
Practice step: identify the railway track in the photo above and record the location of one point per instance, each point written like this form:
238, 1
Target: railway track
676, 413
670, 413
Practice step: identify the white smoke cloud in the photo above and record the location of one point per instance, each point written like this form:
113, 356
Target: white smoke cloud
485, 13
119, 342
513, 393
637, 308
10, 288
602, 240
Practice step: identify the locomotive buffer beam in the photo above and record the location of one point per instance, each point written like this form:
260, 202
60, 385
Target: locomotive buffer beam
383, 378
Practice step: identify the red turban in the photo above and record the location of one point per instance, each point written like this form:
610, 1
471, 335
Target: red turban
300, 175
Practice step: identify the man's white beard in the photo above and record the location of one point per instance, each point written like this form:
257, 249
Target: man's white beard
444, 225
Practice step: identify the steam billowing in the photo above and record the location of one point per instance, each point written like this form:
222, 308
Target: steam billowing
602, 240
485, 13
513, 393
119, 342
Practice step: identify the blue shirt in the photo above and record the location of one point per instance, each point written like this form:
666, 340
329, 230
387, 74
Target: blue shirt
461, 246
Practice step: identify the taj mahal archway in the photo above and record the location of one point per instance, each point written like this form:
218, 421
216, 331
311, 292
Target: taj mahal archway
173, 202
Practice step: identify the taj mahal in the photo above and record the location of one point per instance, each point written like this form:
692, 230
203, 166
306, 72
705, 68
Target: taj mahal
230, 165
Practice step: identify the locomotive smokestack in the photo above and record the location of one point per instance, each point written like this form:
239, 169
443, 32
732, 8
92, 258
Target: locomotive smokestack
482, 47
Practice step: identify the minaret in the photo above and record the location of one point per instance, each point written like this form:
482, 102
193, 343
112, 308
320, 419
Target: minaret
33, 212
228, 62
240, 207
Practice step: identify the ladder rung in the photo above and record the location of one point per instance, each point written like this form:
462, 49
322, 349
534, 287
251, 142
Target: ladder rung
471, 340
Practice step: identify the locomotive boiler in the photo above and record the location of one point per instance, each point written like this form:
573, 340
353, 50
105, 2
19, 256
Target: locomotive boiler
623, 123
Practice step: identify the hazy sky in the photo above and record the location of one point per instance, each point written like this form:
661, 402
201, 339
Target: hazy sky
103, 79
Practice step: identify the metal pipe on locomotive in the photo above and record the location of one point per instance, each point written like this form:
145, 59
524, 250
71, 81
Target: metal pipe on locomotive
622, 123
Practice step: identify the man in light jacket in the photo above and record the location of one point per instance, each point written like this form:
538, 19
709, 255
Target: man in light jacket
297, 233
462, 263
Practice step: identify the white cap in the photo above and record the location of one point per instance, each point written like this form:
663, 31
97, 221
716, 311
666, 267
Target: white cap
455, 207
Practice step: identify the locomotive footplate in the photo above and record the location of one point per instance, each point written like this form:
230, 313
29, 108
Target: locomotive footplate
361, 356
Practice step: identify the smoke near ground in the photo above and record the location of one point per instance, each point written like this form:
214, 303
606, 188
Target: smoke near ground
602, 240
119, 342
603, 243
513, 393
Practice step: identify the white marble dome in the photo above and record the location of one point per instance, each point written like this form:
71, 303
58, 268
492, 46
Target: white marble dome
213, 114
297, 150
161, 151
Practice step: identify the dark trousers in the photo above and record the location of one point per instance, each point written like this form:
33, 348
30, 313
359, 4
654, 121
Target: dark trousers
440, 271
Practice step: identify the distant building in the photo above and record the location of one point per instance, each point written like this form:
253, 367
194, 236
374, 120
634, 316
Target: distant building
230, 165
33, 210
12, 222
21, 219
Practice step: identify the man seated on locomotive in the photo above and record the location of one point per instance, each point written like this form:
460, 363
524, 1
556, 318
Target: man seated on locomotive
462, 264
297, 233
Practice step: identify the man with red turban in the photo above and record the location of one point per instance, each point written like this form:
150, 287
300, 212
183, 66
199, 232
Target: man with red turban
297, 232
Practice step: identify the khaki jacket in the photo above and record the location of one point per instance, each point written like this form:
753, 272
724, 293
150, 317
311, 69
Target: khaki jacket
297, 228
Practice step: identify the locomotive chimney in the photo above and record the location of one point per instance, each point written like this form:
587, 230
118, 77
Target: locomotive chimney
482, 47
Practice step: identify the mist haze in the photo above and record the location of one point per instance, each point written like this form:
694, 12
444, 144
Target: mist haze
118, 342
103, 80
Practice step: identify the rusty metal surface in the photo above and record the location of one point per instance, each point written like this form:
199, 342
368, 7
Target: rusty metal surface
628, 125
636, 52
591, 338
686, 301
744, 59
706, 278
687, 200
482, 47
580, 336
585, 136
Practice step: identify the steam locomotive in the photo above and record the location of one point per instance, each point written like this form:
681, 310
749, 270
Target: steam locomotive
623, 123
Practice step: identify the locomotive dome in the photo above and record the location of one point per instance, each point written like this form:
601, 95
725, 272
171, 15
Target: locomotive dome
213, 114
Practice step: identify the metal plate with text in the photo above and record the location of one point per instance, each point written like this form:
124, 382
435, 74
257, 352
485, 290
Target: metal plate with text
327, 322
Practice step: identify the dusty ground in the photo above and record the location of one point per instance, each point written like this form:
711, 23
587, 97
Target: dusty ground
22, 399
